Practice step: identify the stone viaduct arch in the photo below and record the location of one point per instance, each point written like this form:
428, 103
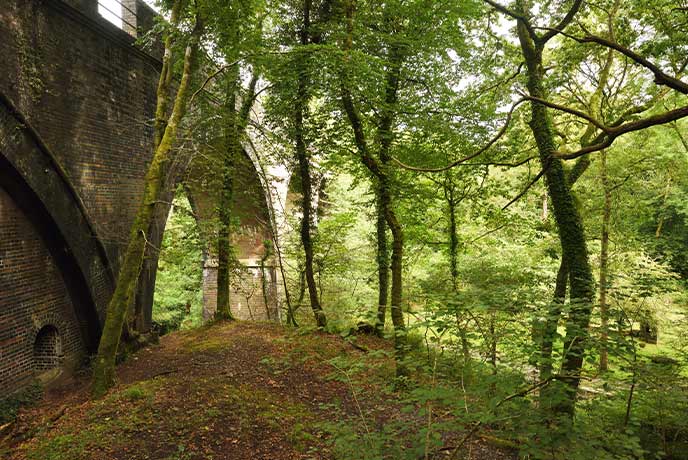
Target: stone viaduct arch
76, 100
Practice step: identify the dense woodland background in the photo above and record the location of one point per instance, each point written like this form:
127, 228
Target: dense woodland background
501, 189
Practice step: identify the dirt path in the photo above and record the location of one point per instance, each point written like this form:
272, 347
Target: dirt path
229, 391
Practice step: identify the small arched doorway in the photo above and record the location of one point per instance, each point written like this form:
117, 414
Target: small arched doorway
47, 349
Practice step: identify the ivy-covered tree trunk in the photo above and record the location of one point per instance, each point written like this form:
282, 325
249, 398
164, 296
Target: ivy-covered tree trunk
604, 262
385, 135
302, 156
452, 203
224, 244
104, 366
382, 265
570, 226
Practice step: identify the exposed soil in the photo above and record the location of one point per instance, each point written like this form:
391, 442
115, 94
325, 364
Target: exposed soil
227, 391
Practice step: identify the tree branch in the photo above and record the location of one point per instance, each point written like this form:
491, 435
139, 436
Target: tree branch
515, 15
528, 187
482, 150
551, 33
609, 137
598, 124
661, 78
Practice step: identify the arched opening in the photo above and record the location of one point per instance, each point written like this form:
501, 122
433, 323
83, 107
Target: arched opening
178, 300
47, 349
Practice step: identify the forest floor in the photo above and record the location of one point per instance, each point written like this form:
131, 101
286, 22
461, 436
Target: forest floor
228, 391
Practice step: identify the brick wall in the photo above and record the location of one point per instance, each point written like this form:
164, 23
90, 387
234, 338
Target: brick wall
90, 94
77, 101
247, 300
249, 208
33, 295
47, 349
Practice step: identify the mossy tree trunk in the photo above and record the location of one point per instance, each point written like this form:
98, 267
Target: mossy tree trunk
382, 265
570, 227
224, 209
379, 168
104, 366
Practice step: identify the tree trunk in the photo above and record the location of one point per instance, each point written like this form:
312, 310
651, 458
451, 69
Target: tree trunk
660, 222
604, 259
104, 366
548, 393
549, 331
378, 168
382, 265
301, 104
569, 224
450, 196
263, 283
233, 130
224, 244
453, 238
400, 342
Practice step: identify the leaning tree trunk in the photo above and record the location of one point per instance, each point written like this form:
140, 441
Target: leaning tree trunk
382, 265
553, 315
104, 366
571, 233
379, 169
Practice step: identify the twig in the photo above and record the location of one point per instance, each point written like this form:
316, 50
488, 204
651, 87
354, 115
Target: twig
528, 187
213, 75
353, 393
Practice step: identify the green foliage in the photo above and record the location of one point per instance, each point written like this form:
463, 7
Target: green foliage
178, 288
482, 246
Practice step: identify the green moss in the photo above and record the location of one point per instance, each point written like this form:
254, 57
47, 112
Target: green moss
135, 393
10, 405
30, 61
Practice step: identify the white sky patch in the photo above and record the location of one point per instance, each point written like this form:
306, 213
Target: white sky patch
112, 10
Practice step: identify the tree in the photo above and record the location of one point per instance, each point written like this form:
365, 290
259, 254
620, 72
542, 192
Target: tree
401, 41
302, 24
165, 135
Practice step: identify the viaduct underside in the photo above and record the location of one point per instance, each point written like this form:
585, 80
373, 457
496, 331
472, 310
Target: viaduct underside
77, 97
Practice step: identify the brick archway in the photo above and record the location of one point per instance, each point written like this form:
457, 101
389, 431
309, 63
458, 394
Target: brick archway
47, 349
37, 187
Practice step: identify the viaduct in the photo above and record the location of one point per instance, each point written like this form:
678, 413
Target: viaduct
77, 97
